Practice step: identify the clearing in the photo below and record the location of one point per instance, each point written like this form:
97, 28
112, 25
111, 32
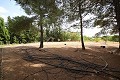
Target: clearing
16, 67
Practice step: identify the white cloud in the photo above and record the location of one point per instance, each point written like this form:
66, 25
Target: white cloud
3, 10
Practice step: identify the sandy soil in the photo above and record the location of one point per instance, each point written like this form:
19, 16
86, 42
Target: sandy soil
14, 67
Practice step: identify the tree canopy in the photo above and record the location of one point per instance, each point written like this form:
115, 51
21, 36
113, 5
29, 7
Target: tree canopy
108, 16
43, 9
19, 23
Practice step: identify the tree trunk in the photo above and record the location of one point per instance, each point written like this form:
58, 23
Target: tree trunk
119, 35
81, 27
116, 4
41, 36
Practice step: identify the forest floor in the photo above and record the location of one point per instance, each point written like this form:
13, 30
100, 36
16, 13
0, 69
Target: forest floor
15, 67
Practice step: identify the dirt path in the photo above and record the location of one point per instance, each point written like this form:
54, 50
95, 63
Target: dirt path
16, 68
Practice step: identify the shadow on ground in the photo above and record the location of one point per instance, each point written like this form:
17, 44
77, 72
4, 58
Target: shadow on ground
15, 67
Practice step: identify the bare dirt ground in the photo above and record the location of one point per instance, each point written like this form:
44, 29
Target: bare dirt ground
14, 67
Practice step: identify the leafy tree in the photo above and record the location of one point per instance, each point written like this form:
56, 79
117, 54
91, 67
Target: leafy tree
4, 35
108, 16
43, 9
17, 25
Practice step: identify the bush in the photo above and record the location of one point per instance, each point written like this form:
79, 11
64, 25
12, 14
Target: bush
24, 41
97, 39
88, 38
1, 43
115, 38
72, 36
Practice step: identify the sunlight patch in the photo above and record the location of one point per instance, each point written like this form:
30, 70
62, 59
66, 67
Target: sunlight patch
38, 65
9, 69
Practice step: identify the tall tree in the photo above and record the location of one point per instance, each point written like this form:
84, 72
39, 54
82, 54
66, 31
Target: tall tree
116, 4
77, 10
42, 9
81, 26
108, 16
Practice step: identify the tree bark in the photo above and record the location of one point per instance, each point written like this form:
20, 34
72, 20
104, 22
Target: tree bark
81, 27
116, 4
41, 36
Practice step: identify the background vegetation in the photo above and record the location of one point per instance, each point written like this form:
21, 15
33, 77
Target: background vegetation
11, 32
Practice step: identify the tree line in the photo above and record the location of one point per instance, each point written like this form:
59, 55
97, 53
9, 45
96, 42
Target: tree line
51, 13
15, 31
11, 33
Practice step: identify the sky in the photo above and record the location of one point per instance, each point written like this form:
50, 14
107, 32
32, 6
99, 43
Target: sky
10, 8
